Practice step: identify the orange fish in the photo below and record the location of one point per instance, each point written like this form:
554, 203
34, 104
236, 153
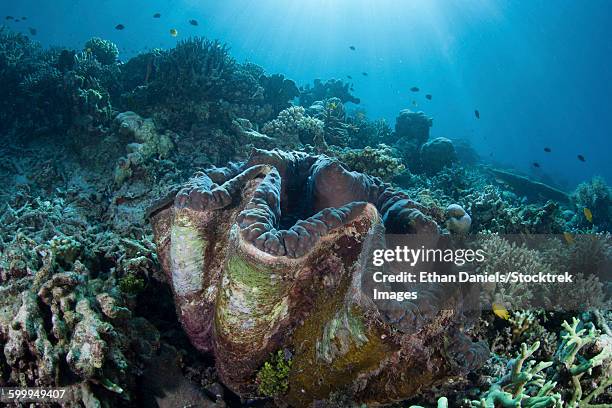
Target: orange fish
569, 238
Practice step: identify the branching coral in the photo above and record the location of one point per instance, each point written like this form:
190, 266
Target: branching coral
333, 88
525, 375
595, 195
504, 257
378, 161
278, 91
293, 127
331, 112
575, 340
106, 52
363, 132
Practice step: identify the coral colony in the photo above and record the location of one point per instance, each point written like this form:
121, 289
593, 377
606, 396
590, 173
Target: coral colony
184, 215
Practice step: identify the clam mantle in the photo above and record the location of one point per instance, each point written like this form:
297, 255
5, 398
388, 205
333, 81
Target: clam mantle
269, 254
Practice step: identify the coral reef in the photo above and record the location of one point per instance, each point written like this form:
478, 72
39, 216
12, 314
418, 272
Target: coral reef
103, 50
573, 341
331, 112
333, 88
533, 190
378, 161
595, 195
247, 281
458, 220
245, 287
293, 127
437, 154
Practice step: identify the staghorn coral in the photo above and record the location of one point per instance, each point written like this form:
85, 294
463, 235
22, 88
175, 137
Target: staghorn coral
106, 52
524, 386
263, 257
574, 340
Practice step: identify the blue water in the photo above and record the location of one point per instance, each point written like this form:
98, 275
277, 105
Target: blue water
538, 71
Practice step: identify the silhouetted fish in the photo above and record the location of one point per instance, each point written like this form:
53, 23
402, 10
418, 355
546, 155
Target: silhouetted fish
477, 114
547, 149
536, 164
349, 77
352, 47
9, 18
193, 22
157, 15
581, 158
24, 18
32, 31
414, 103
428, 96
17, 20
415, 89
119, 27
364, 73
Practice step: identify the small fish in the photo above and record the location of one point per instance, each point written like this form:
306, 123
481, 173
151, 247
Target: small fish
414, 103
581, 158
428, 96
500, 311
119, 27
349, 77
24, 18
157, 15
352, 47
9, 18
477, 113
536, 164
569, 238
547, 149
364, 73
193, 22
173, 32
414, 89
32, 31
17, 20
588, 214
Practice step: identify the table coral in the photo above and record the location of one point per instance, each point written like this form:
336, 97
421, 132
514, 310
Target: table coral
265, 256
